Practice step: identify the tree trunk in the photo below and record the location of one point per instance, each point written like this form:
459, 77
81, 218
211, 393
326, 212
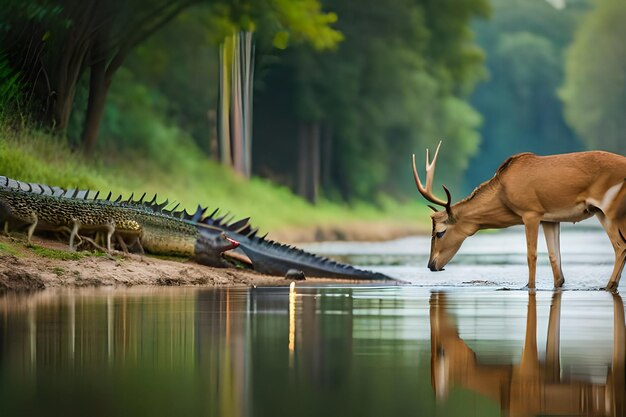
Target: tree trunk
62, 107
303, 160
309, 161
223, 106
236, 110
67, 74
235, 102
70, 66
99, 85
326, 158
213, 143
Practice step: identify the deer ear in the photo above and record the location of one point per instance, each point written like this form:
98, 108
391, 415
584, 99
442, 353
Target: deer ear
433, 208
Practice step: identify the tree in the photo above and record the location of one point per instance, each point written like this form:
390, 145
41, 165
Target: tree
237, 75
98, 35
594, 92
353, 116
91, 34
524, 43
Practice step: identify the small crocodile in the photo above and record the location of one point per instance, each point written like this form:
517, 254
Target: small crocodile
159, 230
147, 225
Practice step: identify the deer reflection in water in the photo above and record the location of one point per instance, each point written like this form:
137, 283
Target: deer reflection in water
531, 387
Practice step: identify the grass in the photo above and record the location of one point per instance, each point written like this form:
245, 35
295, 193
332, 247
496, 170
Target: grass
62, 255
9, 249
58, 271
190, 179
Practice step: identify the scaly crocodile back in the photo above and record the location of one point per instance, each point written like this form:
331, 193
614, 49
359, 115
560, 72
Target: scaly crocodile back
52, 208
267, 256
274, 258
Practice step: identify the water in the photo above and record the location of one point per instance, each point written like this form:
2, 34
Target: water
440, 347
489, 259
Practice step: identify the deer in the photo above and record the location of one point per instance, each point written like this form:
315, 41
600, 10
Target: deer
532, 386
533, 190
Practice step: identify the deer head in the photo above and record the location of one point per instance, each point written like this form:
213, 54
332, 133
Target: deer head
446, 237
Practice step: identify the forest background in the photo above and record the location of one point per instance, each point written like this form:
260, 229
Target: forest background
139, 95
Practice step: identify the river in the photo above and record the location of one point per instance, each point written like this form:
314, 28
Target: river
467, 341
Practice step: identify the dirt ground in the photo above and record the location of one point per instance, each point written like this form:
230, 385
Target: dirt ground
49, 264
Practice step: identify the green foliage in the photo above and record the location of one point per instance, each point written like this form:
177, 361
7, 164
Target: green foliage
58, 271
62, 255
532, 61
53, 43
10, 90
9, 248
23, 43
594, 92
396, 84
306, 21
14, 12
17, 18
136, 124
521, 111
179, 65
37, 157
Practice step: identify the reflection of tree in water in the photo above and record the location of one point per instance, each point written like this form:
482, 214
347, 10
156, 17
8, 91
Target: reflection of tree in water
530, 387
323, 352
222, 346
73, 350
321, 349
80, 330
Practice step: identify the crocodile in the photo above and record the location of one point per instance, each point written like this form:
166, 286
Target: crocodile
154, 227
147, 225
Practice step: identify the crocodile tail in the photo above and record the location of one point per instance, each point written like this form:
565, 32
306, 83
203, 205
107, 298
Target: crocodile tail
30, 186
238, 225
274, 258
197, 216
223, 222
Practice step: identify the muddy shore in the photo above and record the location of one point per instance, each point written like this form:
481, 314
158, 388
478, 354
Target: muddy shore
48, 264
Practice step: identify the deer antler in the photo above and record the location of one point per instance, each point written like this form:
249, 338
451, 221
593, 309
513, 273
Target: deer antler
427, 191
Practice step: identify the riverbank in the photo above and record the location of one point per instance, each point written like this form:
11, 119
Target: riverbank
48, 264
192, 179
361, 231
34, 156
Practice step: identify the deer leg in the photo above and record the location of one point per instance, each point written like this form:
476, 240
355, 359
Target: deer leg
616, 380
614, 223
616, 236
552, 232
553, 363
620, 258
529, 363
531, 224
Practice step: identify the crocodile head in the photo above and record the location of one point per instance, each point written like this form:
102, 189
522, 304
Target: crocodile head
210, 245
